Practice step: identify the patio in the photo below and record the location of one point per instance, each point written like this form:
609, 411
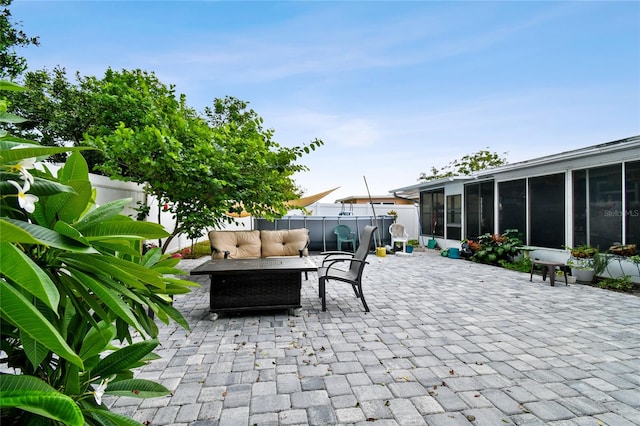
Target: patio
447, 342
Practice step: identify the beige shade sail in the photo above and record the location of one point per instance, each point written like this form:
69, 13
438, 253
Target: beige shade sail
299, 203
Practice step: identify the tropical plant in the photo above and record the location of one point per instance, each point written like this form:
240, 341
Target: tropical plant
76, 291
496, 247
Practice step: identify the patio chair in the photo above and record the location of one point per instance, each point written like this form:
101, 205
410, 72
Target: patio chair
330, 269
345, 235
398, 235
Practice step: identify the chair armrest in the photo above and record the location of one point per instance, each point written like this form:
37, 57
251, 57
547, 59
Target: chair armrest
335, 255
301, 251
336, 261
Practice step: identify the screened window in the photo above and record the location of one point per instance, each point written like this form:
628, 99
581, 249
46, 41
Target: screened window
605, 206
580, 208
632, 186
479, 209
432, 214
513, 205
547, 201
454, 217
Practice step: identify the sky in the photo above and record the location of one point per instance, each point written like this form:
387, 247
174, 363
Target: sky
392, 88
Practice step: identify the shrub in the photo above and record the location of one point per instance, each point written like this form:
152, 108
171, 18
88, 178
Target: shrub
494, 248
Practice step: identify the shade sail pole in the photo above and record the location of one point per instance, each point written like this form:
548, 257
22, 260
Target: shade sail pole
372, 208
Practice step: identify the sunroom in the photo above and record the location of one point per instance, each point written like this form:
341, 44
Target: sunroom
585, 196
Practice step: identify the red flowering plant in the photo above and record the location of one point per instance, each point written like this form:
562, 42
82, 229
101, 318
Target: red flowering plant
494, 248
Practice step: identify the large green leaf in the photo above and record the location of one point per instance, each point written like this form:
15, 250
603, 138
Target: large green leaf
110, 298
12, 87
120, 228
34, 350
106, 266
12, 155
69, 207
108, 418
102, 213
42, 187
16, 309
47, 237
35, 396
18, 268
12, 233
97, 340
75, 168
124, 358
137, 388
67, 230
6, 117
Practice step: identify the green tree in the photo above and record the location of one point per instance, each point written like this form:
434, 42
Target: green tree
201, 167
12, 65
481, 160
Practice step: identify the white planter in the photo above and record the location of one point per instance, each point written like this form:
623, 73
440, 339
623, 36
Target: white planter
583, 275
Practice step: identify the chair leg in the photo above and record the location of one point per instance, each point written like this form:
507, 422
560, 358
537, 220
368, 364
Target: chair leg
364, 302
323, 295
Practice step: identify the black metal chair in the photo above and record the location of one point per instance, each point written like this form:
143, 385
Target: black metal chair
329, 269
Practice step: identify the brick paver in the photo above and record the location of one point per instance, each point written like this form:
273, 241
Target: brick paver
447, 342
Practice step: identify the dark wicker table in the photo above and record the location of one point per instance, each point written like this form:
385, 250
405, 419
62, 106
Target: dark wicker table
255, 284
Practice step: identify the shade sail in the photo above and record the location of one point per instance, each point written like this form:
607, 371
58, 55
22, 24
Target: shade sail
307, 201
299, 203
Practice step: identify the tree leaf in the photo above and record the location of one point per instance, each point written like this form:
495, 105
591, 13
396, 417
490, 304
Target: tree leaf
16, 309
136, 388
35, 396
47, 237
11, 233
18, 268
124, 358
110, 298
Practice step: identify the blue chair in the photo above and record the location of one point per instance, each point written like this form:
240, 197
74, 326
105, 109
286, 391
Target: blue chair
345, 235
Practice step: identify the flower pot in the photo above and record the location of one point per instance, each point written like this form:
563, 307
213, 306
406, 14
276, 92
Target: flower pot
454, 253
409, 249
431, 244
582, 275
381, 252
571, 279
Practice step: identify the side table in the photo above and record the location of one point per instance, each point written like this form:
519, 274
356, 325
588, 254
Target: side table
548, 268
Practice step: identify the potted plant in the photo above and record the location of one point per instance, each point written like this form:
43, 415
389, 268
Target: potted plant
582, 262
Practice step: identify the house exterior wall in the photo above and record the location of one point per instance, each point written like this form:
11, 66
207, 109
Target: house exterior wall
559, 173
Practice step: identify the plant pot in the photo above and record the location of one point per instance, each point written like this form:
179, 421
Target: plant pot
409, 249
582, 275
381, 252
454, 253
571, 279
431, 244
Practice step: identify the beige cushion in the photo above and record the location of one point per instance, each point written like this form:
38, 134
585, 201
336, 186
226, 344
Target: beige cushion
284, 242
239, 244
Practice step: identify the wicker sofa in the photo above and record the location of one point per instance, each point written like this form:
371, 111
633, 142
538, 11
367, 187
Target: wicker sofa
259, 244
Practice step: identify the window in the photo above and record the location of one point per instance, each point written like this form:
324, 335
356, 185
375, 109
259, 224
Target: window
547, 213
432, 214
479, 209
598, 211
605, 206
579, 208
632, 199
513, 205
454, 217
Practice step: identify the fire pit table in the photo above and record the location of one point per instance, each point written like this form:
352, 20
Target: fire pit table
255, 284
